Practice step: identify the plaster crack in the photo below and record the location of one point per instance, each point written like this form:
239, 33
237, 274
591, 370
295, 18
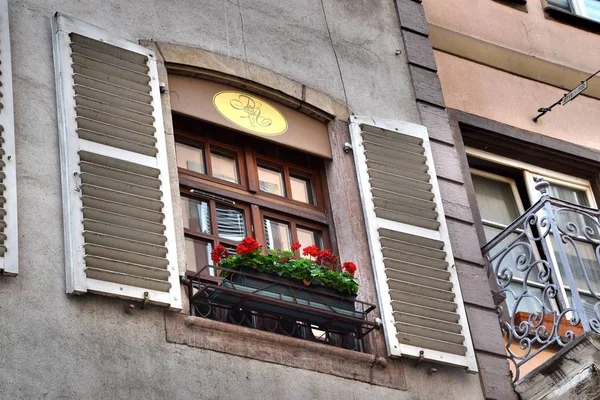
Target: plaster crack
243, 37
337, 61
527, 36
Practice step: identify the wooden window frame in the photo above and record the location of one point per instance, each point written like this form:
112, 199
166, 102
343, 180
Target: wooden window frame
247, 195
294, 224
286, 167
214, 237
207, 145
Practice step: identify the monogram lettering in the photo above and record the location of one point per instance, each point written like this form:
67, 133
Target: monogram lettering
252, 109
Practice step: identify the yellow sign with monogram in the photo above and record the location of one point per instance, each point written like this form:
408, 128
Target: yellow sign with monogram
250, 113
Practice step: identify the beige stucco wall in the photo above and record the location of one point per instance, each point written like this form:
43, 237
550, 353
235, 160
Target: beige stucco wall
528, 32
504, 63
513, 100
54, 346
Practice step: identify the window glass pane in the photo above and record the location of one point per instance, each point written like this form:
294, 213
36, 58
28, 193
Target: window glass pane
588, 304
196, 215
509, 261
307, 237
564, 217
224, 165
302, 189
271, 180
529, 302
582, 265
564, 4
277, 235
198, 254
593, 9
189, 157
495, 199
230, 223
569, 194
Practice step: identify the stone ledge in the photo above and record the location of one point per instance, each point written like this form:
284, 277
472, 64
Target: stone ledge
572, 373
270, 347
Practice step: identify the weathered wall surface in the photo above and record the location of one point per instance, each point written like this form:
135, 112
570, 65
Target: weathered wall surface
503, 63
513, 100
56, 347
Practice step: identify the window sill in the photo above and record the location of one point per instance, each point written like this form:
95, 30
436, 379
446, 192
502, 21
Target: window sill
270, 347
560, 15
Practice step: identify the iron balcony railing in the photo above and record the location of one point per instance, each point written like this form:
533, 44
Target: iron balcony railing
279, 305
546, 272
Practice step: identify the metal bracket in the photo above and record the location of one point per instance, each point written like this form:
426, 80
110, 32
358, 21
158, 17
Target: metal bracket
421, 358
146, 299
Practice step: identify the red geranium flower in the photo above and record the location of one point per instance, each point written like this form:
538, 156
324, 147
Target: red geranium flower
326, 259
218, 254
349, 267
248, 245
312, 251
296, 246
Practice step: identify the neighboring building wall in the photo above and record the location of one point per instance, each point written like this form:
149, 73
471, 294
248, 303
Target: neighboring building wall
54, 346
498, 63
503, 63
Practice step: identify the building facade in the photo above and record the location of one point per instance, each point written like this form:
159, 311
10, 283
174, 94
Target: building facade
502, 65
140, 136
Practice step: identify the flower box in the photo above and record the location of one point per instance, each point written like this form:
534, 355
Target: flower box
292, 288
278, 283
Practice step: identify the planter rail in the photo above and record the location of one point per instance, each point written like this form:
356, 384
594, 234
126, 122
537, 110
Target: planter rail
280, 305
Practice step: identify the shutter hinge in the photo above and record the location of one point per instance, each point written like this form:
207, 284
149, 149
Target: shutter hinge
146, 299
421, 357
347, 147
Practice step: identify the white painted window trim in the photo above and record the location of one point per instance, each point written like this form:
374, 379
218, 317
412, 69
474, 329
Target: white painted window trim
77, 281
521, 211
395, 348
530, 172
496, 159
9, 264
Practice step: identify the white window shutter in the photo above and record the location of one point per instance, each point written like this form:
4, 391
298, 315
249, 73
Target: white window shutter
118, 217
419, 296
9, 260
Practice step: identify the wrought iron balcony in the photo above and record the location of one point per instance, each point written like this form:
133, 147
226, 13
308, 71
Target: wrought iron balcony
546, 269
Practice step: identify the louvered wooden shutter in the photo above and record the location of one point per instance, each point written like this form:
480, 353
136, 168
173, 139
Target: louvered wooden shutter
420, 300
118, 217
9, 261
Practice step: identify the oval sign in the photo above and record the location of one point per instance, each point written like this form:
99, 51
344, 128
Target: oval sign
250, 113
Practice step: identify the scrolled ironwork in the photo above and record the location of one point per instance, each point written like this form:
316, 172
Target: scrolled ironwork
541, 274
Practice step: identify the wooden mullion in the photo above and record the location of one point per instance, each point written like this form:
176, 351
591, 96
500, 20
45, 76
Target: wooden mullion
286, 181
214, 225
208, 156
251, 168
226, 241
294, 230
257, 223
199, 235
311, 214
